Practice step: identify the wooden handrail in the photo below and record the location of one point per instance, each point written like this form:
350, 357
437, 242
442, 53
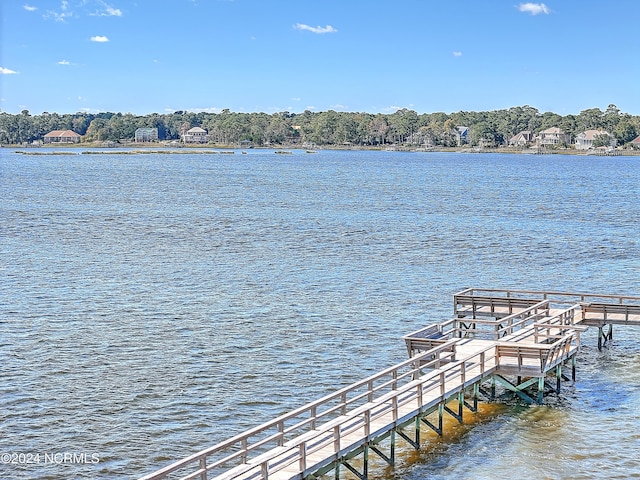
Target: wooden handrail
583, 297
311, 412
396, 398
524, 316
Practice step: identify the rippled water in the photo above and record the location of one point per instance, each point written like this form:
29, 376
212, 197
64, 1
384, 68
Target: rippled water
153, 305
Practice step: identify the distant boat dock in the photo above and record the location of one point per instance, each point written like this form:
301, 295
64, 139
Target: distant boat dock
514, 340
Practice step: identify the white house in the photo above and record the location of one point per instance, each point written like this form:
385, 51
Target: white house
585, 140
146, 134
553, 136
195, 135
62, 136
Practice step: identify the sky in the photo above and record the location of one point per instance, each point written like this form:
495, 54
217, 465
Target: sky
376, 56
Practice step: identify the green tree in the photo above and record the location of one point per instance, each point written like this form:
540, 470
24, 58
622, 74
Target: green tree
625, 132
590, 119
98, 130
611, 118
377, 130
602, 140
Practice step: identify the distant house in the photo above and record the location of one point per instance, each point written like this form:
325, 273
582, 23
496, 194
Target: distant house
636, 142
62, 136
553, 136
521, 139
195, 135
585, 140
462, 134
146, 134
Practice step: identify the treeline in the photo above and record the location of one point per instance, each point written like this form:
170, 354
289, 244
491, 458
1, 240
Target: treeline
404, 127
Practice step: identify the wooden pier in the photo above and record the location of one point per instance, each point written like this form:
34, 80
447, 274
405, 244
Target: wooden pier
518, 340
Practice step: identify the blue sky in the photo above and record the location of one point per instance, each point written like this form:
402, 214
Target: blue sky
144, 56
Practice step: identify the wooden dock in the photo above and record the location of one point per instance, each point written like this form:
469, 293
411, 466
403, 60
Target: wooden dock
519, 340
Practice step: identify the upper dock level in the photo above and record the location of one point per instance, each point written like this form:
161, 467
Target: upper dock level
516, 339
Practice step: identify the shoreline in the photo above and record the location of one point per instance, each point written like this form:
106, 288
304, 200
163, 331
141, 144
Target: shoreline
159, 148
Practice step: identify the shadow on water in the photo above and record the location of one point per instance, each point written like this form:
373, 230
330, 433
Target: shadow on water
432, 445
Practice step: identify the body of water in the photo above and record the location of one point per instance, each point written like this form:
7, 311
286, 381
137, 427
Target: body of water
153, 305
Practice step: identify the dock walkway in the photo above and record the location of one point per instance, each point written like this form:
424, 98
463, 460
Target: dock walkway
512, 338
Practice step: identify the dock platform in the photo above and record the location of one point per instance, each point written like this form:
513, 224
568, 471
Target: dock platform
516, 339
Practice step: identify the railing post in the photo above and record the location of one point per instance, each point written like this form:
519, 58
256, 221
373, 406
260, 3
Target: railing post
203, 467
243, 457
336, 440
303, 457
367, 424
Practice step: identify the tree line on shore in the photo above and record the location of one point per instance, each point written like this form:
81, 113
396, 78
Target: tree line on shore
403, 127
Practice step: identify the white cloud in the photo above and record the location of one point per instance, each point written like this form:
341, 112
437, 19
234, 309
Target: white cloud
116, 12
99, 39
318, 29
58, 17
6, 71
64, 62
534, 8
203, 109
30, 8
457, 54
108, 11
62, 15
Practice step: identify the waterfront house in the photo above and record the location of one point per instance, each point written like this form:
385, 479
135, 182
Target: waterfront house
586, 139
553, 136
635, 143
462, 134
62, 136
146, 135
522, 139
195, 135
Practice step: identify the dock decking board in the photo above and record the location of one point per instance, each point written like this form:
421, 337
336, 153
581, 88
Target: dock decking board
495, 335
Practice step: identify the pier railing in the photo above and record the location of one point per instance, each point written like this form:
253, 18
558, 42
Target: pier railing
297, 434
602, 313
521, 334
557, 297
489, 328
